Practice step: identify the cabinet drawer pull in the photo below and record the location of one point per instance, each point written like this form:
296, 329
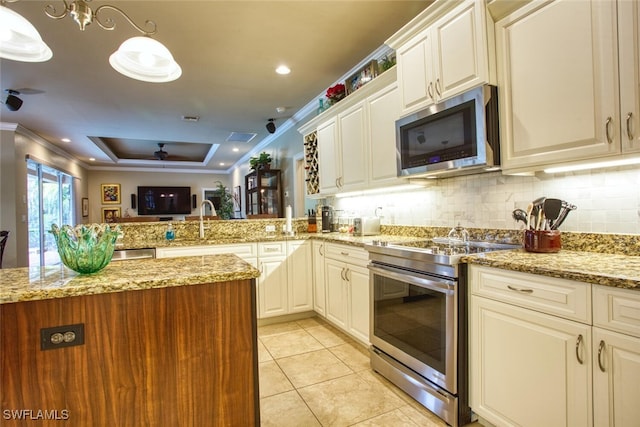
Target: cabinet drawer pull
600, 349
629, 133
607, 128
578, 342
344, 253
523, 291
271, 249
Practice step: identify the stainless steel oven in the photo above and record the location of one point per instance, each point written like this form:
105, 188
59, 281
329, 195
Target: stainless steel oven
418, 318
414, 319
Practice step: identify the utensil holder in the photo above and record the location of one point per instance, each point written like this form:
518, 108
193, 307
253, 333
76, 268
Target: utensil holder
543, 241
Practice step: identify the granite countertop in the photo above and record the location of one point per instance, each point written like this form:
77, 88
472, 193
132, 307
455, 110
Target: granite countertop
621, 271
38, 283
615, 270
342, 238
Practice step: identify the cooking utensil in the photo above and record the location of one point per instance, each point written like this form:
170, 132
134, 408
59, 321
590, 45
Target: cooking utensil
540, 220
566, 208
519, 215
529, 211
551, 209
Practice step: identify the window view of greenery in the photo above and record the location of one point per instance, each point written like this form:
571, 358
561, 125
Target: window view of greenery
49, 201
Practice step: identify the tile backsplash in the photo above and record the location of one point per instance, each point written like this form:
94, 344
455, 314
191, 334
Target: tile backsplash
608, 201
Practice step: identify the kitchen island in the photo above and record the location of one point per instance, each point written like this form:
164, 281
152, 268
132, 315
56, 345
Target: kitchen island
146, 342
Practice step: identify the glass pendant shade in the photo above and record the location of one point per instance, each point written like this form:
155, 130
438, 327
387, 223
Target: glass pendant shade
19, 40
143, 58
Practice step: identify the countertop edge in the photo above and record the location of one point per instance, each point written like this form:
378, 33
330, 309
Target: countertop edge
33, 284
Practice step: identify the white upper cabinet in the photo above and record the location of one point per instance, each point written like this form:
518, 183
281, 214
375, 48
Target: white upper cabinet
559, 82
353, 147
446, 58
628, 22
356, 138
384, 110
329, 162
342, 148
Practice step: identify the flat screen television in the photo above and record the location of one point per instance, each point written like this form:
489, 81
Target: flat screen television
164, 200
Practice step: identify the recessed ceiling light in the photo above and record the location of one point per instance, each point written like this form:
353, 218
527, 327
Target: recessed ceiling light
283, 69
281, 109
221, 163
236, 149
92, 159
65, 140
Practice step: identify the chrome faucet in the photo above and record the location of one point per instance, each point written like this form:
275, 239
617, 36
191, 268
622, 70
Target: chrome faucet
213, 213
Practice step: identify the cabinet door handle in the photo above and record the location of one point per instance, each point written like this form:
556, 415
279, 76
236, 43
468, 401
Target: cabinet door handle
600, 349
342, 275
629, 133
438, 91
607, 127
578, 342
523, 291
430, 90
347, 275
321, 250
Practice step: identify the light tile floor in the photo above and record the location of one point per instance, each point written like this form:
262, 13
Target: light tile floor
311, 374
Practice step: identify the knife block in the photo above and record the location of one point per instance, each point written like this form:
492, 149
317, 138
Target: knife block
543, 241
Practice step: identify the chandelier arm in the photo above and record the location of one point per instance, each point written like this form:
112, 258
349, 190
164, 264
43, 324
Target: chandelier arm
108, 23
50, 10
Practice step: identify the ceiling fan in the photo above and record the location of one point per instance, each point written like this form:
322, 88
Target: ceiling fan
160, 154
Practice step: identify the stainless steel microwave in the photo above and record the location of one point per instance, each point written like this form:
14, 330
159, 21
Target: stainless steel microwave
457, 136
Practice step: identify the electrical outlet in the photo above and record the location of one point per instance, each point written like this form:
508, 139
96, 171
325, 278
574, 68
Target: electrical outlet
270, 228
61, 336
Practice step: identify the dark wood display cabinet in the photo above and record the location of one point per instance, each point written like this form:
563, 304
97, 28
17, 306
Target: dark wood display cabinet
264, 193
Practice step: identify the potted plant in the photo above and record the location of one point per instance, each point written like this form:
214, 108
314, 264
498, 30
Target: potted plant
225, 211
263, 161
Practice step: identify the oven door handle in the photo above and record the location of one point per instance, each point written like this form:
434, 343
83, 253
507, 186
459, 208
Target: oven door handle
442, 285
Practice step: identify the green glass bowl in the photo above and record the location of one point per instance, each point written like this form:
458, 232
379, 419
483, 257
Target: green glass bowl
85, 249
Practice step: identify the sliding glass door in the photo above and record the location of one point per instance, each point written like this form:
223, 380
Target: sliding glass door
50, 201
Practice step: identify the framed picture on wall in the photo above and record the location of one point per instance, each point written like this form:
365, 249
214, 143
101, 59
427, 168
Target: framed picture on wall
110, 193
110, 215
85, 207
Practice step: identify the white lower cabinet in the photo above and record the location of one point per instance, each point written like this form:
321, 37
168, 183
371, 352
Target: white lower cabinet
347, 289
300, 276
285, 284
529, 368
536, 360
319, 288
616, 378
272, 283
616, 356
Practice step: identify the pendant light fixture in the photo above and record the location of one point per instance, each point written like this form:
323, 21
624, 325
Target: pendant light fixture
19, 40
141, 58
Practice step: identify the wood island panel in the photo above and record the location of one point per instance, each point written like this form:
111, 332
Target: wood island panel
177, 356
